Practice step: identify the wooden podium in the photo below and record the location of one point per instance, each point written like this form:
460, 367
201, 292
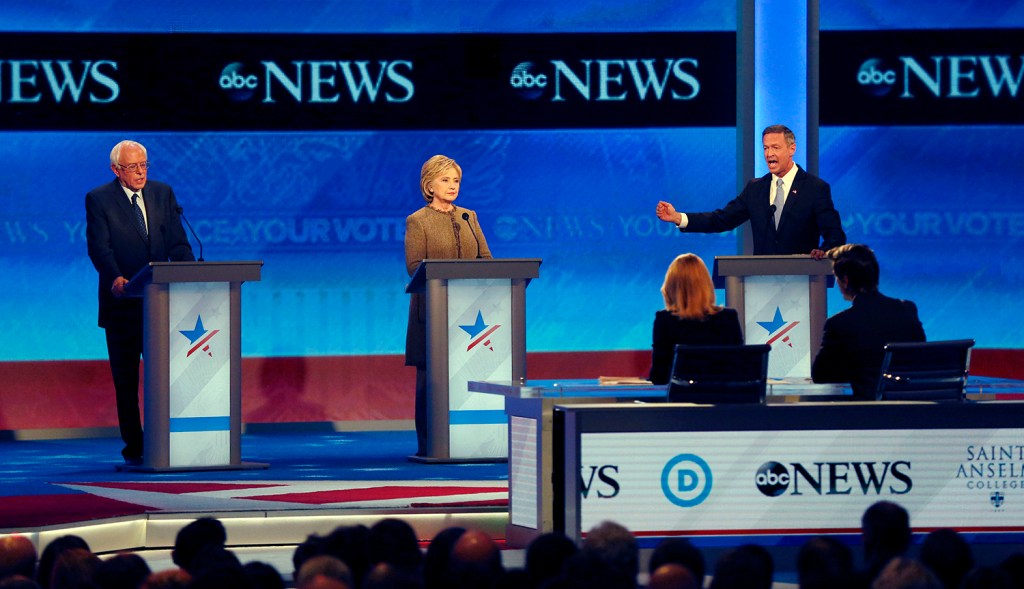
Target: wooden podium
193, 364
781, 301
476, 330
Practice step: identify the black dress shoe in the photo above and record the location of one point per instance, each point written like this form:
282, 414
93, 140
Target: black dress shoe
133, 460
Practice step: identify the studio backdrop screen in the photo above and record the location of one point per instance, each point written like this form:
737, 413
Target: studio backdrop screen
296, 137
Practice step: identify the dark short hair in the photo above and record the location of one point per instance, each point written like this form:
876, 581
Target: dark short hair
856, 264
786, 132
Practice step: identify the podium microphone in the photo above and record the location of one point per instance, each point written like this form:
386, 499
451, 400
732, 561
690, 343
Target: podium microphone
181, 213
465, 217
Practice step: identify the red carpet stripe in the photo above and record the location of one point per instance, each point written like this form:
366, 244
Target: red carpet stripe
375, 494
176, 488
481, 503
46, 510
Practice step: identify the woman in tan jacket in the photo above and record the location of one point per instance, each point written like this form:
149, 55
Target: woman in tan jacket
439, 230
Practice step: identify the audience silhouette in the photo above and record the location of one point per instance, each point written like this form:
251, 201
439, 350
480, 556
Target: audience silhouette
389, 555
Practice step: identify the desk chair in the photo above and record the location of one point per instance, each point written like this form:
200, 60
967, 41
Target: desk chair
925, 371
719, 374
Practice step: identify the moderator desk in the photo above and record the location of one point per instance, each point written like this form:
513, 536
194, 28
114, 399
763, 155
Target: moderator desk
533, 449
529, 406
736, 473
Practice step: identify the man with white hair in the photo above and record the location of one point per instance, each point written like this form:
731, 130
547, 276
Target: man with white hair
130, 222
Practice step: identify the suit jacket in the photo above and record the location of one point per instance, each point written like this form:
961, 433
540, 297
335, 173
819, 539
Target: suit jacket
809, 219
851, 347
430, 234
118, 248
722, 328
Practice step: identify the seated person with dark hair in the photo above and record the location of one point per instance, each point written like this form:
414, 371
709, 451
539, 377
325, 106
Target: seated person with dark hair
690, 315
851, 347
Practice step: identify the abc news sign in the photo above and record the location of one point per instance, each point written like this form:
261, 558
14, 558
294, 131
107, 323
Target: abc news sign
944, 77
790, 480
281, 82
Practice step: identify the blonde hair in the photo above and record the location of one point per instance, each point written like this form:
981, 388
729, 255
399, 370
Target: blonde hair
688, 291
433, 168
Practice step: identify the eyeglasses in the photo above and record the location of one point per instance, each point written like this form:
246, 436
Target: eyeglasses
134, 167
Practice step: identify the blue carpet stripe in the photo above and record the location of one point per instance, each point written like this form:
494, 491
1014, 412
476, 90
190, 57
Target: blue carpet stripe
478, 417
199, 424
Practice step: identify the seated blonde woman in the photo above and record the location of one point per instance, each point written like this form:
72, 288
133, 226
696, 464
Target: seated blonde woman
690, 315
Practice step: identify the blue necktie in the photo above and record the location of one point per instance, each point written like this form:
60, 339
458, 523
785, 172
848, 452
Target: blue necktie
780, 200
140, 221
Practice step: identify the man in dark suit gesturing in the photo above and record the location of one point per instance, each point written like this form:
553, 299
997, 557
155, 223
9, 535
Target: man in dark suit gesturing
851, 347
790, 211
129, 223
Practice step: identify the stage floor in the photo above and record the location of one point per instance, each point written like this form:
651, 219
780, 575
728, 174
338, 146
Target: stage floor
315, 481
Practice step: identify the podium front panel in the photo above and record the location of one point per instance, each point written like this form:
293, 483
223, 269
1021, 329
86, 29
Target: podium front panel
199, 343
776, 312
480, 343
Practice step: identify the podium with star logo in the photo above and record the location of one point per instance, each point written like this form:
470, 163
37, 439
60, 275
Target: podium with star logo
192, 399
476, 330
781, 301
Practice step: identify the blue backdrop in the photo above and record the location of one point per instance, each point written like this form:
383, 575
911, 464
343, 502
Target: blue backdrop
325, 210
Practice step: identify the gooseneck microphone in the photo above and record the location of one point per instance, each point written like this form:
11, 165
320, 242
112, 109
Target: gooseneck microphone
181, 213
465, 217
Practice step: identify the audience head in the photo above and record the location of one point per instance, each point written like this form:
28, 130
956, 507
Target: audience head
989, 577
746, 567
216, 567
260, 575
394, 541
672, 575
905, 573
546, 556
885, 533
384, 575
855, 267
948, 555
1013, 566
17, 556
824, 563
122, 571
324, 572
438, 556
18, 582
48, 558
679, 551
191, 539
352, 545
688, 290
475, 561
169, 579
432, 168
616, 547
74, 569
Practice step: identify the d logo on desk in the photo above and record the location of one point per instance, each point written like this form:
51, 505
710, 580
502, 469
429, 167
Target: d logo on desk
686, 480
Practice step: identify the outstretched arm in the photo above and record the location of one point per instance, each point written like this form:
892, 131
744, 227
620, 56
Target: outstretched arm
667, 212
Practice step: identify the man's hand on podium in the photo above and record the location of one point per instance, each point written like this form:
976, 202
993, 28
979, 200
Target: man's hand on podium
118, 287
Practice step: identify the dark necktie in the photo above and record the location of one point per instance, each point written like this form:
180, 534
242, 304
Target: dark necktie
780, 200
140, 221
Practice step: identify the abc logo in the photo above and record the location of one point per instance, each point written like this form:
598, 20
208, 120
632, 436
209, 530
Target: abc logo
772, 479
528, 84
238, 85
874, 78
686, 480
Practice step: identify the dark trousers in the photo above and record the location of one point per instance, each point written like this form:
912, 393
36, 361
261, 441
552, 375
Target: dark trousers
124, 347
422, 421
